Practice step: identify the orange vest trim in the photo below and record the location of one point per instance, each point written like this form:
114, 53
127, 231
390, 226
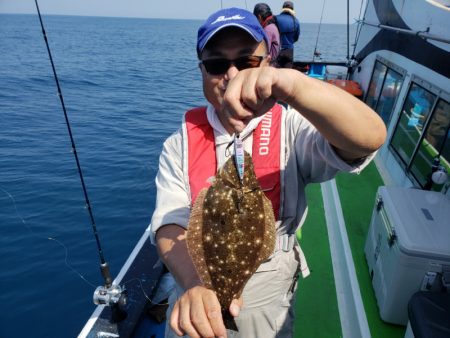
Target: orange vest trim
202, 160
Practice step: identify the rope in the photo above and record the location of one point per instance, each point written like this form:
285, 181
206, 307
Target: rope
359, 28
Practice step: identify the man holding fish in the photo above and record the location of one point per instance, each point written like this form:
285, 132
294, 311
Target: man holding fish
323, 131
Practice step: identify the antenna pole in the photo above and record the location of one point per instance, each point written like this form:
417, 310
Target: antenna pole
348, 31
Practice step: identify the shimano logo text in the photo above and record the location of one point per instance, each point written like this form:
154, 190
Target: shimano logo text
264, 139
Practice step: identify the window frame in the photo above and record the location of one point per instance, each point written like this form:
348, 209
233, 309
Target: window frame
389, 65
440, 94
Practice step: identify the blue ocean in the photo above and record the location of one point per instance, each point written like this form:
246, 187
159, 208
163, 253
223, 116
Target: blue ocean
126, 83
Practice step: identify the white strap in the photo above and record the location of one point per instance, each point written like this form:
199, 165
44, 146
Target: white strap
285, 242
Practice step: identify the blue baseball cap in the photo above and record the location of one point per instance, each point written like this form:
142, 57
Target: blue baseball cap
230, 17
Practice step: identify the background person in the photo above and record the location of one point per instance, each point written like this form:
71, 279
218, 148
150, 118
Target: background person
264, 14
289, 28
325, 131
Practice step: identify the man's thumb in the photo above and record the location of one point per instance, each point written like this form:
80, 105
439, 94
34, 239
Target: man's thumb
235, 306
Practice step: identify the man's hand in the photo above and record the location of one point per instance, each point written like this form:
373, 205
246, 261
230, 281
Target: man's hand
253, 92
197, 314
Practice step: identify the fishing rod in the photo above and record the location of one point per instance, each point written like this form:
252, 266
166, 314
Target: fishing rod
109, 294
316, 53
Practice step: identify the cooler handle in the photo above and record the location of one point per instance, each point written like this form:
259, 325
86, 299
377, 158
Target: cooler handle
390, 230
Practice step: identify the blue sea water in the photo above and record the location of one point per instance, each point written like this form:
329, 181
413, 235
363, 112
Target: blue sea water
126, 83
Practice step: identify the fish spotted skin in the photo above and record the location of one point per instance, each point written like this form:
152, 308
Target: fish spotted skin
231, 231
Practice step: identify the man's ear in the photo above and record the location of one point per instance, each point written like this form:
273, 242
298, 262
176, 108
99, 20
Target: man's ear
202, 68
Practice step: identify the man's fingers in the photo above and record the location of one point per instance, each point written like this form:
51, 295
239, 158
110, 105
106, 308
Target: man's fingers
197, 314
249, 94
244, 89
201, 321
235, 105
237, 124
214, 314
185, 321
175, 320
235, 306
257, 88
264, 83
239, 301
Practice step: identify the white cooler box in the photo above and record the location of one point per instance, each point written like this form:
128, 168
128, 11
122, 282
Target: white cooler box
407, 245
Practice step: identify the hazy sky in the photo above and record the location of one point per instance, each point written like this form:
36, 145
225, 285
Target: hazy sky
307, 10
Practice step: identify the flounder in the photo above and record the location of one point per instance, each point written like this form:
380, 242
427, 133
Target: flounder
231, 231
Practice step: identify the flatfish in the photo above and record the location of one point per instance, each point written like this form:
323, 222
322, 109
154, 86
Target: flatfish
231, 231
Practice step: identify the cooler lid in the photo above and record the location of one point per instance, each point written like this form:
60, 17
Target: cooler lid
421, 220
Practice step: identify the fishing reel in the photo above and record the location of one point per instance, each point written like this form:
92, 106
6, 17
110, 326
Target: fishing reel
438, 174
110, 296
114, 296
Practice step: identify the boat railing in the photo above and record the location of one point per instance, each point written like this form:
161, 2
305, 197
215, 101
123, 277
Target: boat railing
423, 34
305, 66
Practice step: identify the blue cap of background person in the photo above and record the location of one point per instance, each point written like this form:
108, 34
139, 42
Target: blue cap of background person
229, 17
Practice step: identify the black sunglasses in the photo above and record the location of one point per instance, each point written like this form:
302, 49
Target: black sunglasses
220, 66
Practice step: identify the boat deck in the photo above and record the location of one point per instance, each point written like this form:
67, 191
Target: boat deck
317, 308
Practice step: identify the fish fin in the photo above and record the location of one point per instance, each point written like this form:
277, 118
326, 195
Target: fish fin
194, 239
269, 237
229, 322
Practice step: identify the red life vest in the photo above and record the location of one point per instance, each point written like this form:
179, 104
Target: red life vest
202, 160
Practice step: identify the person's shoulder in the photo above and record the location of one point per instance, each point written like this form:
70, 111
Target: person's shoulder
271, 28
291, 113
196, 115
175, 138
173, 145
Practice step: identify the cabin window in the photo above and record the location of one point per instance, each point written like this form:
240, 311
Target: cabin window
422, 133
435, 144
383, 90
378, 75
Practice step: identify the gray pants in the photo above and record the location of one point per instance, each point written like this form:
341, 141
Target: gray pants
269, 298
